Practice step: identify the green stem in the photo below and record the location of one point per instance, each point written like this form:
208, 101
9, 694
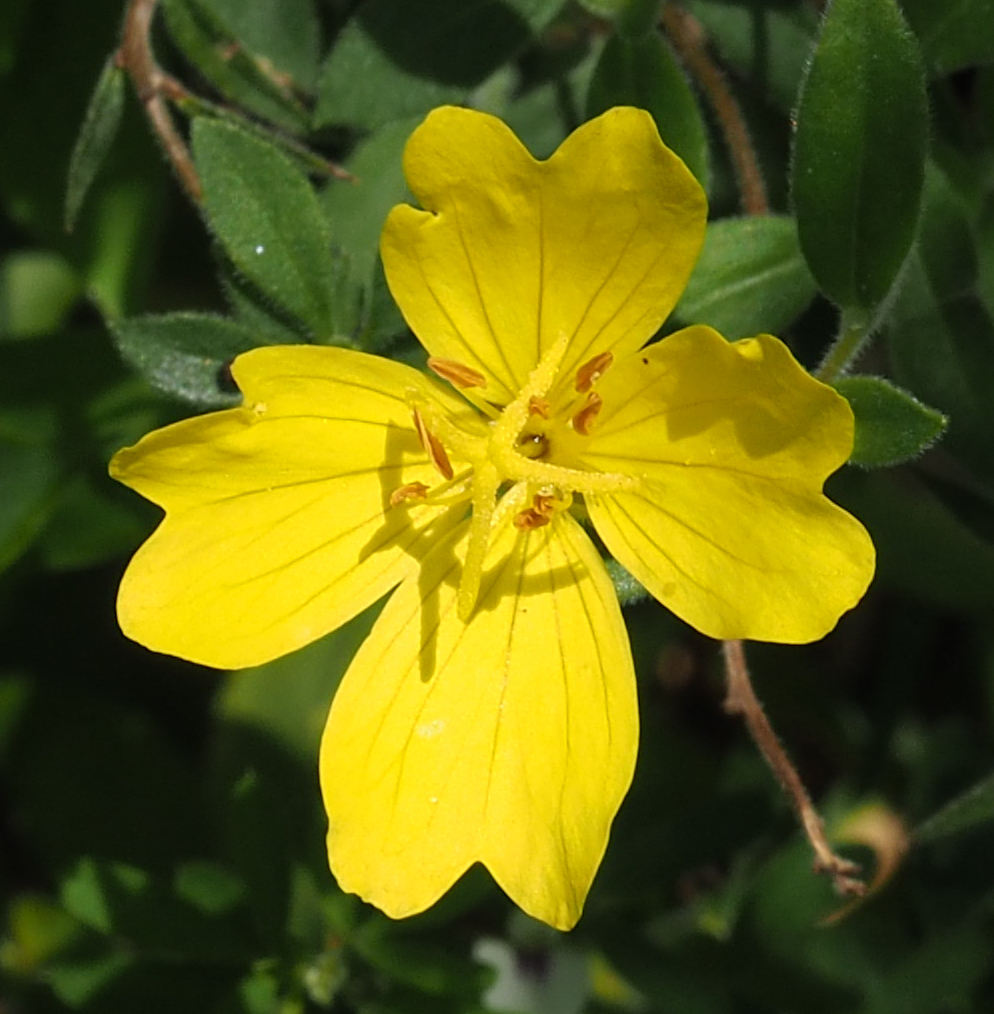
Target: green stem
854, 332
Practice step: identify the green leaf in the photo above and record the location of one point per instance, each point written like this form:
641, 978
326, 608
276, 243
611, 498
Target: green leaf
193, 913
31, 473
632, 18
966, 811
395, 58
89, 524
954, 34
287, 699
220, 42
859, 151
357, 210
285, 34
643, 72
100, 126
268, 218
891, 425
186, 354
750, 278
923, 548
939, 333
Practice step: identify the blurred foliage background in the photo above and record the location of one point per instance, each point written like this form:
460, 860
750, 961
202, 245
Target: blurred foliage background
161, 834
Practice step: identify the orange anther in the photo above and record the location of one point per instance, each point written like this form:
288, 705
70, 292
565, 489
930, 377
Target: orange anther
433, 446
457, 374
544, 504
539, 406
412, 491
529, 519
591, 371
584, 419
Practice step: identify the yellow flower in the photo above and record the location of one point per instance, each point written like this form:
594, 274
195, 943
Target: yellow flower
490, 716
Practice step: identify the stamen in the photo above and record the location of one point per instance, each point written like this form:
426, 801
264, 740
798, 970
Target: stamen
411, 491
539, 406
530, 519
457, 374
591, 371
485, 485
433, 446
584, 419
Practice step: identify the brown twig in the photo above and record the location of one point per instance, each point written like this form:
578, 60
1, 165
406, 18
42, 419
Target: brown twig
154, 86
688, 38
741, 700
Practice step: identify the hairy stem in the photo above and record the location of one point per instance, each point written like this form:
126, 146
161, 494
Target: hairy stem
688, 38
741, 700
153, 86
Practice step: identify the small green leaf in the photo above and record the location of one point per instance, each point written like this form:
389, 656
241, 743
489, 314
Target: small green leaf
186, 354
859, 151
395, 58
284, 36
891, 425
643, 72
221, 45
953, 35
268, 218
208, 887
750, 278
973, 807
100, 126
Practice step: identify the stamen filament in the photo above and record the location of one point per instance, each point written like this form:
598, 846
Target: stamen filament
485, 485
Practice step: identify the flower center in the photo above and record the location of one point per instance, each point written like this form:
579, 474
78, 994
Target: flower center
510, 478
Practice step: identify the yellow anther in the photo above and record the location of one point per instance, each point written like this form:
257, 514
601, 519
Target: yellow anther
433, 446
584, 419
592, 370
457, 374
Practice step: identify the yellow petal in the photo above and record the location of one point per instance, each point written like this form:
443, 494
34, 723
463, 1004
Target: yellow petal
731, 530
509, 740
598, 241
277, 524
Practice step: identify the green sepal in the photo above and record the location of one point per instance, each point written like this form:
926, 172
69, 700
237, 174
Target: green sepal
395, 58
100, 127
186, 354
643, 72
268, 218
750, 278
628, 588
892, 425
859, 151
